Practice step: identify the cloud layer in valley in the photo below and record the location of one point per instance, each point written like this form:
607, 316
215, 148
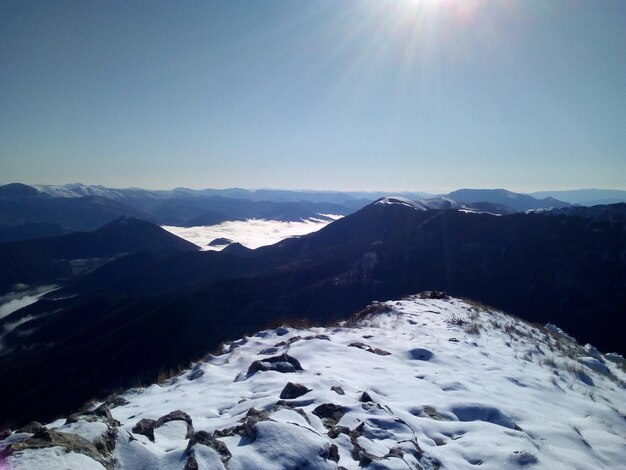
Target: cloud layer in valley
251, 233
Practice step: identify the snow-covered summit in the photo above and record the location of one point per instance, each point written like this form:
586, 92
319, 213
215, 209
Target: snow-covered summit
401, 201
420, 383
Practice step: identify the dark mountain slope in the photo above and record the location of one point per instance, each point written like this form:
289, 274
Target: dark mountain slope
29, 231
48, 260
146, 312
214, 210
20, 203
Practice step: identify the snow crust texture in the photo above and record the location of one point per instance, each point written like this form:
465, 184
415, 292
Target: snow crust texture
418, 383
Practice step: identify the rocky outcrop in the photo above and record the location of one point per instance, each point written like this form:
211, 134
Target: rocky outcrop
50, 438
283, 363
146, 426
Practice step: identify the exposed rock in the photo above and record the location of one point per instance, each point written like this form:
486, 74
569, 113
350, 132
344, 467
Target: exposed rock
253, 416
365, 397
177, 415
292, 390
281, 331
206, 439
358, 453
268, 351
433, 294
145, 426
334, 431
281, 404
338, 390
283, 363
395, 452
74, 417
288, 342
116, 400
330, 414
32, 428
431, 412
323, 337
50, 438
331, 453
248, 425
103, 411
106, 443
368, 348
191, 463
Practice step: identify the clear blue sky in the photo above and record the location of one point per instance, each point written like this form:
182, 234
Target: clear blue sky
426, 95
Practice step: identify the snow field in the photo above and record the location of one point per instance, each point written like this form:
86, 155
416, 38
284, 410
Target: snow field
448, 384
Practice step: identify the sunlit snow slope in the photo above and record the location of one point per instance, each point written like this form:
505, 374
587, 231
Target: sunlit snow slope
420, 383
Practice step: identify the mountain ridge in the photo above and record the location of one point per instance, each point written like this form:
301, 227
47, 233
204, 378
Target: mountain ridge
440, 383
545, 268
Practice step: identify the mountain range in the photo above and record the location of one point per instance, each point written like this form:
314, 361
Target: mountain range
155, 310
45, 210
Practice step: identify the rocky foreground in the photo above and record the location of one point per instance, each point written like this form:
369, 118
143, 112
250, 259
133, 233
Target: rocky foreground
420, 383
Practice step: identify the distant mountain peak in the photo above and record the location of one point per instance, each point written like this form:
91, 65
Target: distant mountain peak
18, 190
399, 201
516, 201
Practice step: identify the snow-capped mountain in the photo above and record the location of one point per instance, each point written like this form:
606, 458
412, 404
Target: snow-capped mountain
422, 383
446, 203
516, 201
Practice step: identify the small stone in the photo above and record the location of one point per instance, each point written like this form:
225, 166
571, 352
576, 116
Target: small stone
292, 390
116, 400
283, 363
368, 348
103, 412
338, 390
205, 439
330, 413
145, 427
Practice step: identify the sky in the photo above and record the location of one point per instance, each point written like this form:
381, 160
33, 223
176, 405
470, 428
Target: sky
415, 95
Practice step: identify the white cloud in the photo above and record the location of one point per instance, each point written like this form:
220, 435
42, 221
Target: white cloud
23, 297
251, 233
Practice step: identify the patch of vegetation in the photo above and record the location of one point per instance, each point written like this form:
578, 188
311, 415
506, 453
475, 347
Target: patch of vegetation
455, 320
473, 328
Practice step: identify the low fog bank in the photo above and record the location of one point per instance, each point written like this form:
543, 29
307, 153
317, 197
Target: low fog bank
22, 297
252, 233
